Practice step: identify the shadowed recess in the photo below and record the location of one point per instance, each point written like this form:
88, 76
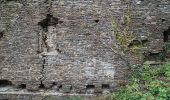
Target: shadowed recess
41, 86
22, 86
96, 20
90, 87
167, 35
49, 21
105, 86
2, 34
4, 83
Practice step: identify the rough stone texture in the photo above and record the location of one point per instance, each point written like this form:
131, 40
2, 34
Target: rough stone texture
68, 44
44, 96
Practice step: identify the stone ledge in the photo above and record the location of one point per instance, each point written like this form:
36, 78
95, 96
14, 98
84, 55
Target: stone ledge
44, 96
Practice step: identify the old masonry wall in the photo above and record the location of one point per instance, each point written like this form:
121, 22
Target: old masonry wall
67, 45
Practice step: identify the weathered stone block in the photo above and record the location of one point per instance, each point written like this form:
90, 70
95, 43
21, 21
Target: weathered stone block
66, 88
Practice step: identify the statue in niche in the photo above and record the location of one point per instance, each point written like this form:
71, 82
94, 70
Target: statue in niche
47, 35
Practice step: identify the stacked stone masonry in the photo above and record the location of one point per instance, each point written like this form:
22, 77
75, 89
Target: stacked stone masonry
67, 45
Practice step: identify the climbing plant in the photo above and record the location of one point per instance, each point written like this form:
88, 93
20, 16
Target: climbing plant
127, 41
123, 38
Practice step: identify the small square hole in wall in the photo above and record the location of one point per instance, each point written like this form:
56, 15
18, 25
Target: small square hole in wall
90, 87
22, 86
96, 20
105, 86
54, 83
163, 20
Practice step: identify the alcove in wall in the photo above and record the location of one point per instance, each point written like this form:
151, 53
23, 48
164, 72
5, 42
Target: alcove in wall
4, 83
166, 37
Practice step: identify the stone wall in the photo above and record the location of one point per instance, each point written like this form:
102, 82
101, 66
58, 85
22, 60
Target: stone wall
67, 45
